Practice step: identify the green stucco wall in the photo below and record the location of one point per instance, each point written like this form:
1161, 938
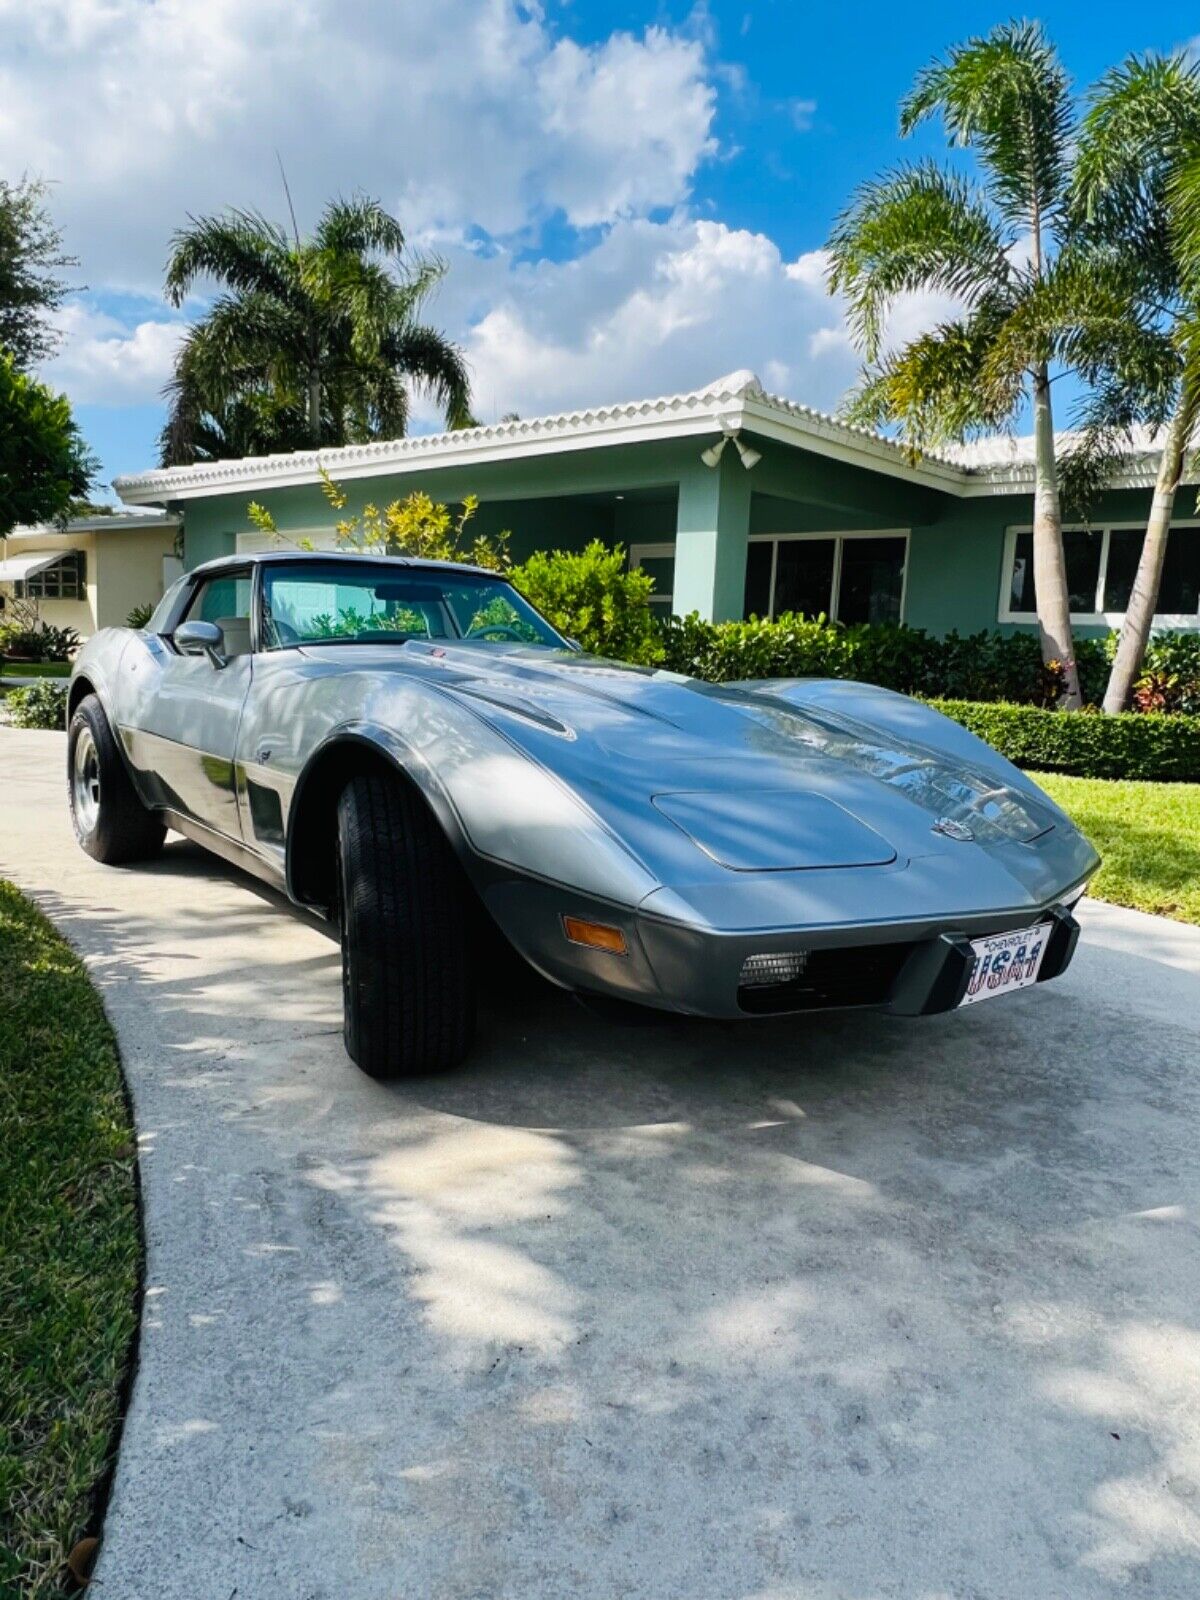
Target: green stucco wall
660, 491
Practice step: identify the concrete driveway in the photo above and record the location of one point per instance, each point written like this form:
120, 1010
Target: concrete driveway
841, 1307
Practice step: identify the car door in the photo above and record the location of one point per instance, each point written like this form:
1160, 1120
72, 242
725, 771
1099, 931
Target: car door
189, 727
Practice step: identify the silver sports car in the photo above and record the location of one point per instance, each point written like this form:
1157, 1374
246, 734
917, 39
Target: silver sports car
410, 749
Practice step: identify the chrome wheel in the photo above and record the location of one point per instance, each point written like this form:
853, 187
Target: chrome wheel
85, 781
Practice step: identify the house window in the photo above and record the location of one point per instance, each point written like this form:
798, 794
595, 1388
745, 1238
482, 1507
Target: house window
854, 577
1101, 565
65, 580
658, 561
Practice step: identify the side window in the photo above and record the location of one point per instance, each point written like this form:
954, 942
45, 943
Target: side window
226, 601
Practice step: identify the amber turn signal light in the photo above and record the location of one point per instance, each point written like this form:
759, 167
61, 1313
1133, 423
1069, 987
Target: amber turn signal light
596, 935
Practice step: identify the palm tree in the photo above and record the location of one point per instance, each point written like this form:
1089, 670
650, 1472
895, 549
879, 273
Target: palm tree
325, 328
997, 245
1137, 181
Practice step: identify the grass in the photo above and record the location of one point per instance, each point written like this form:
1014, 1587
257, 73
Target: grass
35, 669
70, 1252
1148, 834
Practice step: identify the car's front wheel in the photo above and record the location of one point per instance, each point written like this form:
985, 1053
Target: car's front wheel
407, 976
110, 822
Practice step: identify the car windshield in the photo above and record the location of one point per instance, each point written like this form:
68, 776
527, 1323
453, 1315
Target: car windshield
343, 602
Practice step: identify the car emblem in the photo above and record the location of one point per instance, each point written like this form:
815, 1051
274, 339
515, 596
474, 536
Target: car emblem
953, 829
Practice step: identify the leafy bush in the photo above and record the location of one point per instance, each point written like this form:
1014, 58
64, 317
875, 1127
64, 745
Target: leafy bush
1132, 745
978, 666
42, 705
417, 526
1170, 679
57, 644
39, 644
591, 596
139, 616
20, 642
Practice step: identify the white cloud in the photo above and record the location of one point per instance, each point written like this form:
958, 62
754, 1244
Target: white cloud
653, 308
477, 121
105, 361
465, 114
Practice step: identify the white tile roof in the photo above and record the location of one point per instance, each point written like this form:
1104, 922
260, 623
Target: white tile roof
988, 466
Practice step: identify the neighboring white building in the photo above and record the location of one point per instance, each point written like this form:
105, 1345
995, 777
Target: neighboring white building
91, 573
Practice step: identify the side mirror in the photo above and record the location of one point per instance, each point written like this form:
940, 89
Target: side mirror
201, 639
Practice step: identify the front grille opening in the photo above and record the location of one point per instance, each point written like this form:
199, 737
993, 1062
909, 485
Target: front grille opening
858, 975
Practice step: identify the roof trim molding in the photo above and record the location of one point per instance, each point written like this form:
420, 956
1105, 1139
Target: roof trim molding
736, 401
121, 521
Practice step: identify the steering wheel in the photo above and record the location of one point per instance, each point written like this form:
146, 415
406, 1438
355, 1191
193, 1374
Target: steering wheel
496, 630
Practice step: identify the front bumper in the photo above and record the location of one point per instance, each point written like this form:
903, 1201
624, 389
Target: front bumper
913, 969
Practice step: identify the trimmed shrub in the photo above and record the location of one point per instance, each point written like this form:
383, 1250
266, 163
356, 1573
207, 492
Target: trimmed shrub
978, 666
592, 597
42, 705
1150, 745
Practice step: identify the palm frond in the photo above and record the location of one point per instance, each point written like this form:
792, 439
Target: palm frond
241, 249
931, 389
357, 226
917, 228
433, 361
1007, 97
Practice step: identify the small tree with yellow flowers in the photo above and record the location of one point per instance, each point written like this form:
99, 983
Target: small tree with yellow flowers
417, 526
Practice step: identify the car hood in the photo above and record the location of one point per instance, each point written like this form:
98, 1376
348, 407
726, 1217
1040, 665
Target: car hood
720, 760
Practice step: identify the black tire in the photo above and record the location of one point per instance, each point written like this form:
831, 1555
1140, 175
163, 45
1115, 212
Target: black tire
110, 822
407, 974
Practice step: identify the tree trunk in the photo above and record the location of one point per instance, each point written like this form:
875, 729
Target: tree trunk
1143, 601
314, 406
1049, 558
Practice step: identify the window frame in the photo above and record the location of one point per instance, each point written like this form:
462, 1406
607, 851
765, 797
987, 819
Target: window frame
655, 552
261, 567
637, 551
1182, 622
838, 535
34, 586
192, 591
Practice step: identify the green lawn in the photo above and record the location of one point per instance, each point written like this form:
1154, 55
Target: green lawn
1148, 834
35, 669
70, 1248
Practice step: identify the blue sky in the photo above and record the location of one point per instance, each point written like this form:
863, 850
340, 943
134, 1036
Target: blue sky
631, 197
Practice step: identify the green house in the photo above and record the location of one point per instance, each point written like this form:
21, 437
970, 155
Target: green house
737, 502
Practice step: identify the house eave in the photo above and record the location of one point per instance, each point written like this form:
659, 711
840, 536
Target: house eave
736, 403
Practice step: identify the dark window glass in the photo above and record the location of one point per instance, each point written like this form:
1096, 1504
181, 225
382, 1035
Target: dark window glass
872, 580
804, 576
757, 602
662, 570
1083, 566
1020, 590
65, 580
1082, 548
1124, 553
1179, 593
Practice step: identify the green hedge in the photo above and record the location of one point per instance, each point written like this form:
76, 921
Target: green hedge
977, 666
1153, 745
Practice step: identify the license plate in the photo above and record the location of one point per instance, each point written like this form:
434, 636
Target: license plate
1005, 962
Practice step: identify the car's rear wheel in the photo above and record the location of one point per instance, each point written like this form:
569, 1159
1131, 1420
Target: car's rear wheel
110, 822
407, 975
